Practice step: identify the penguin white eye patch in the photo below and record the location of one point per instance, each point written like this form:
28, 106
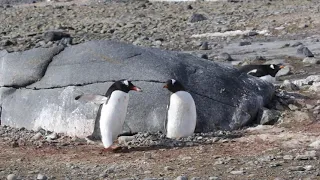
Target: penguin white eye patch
173, 81
126, 82
271, 66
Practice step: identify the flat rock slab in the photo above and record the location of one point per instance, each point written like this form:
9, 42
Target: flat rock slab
225, 99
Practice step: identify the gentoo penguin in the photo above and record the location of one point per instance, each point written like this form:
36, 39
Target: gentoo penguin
113, 111
181, 117
265, 72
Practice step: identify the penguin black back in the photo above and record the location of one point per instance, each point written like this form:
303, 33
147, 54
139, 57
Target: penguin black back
174, 86
261, 70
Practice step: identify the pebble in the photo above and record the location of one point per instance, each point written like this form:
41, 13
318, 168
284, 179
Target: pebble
183, 177
36, 136
315, 144
244, 43
296, 168
293, 107
168, 168
268, 117
308, 167
240, 172
204, 46
289, 86
296, 44
214, 178
311, 60
197, 17
302, 50
52, 136
288, 157
41, 177
225, 57
12, 177
54, 35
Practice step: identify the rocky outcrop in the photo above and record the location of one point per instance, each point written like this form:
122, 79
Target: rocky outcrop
225, 99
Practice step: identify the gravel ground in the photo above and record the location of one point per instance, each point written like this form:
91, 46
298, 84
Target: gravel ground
287, 150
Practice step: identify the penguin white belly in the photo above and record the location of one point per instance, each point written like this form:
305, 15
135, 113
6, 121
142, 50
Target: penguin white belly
181, 115
113, 115
268, 78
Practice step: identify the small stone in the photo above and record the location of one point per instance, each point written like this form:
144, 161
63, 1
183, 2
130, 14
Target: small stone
289, 86
147, 172
189, 7
296, 44
268, 117
292, 107
196, 178
6, 43
15, 144
54, 35
315, 87
288, 157
37, 136
244, 43
147, 155
125, 139
12, 177
183, 177
284, 71
315, 144
285, 45
168, 168
308, 167
311, 60
203, 56
296, 168
197, 17
214, 178
252, 33
302, 50
52, 136
225, 57
204, 46
237, 172
41, 177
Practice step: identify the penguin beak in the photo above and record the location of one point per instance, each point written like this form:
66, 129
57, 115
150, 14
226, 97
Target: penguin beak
282, 66
136, 89
165, 86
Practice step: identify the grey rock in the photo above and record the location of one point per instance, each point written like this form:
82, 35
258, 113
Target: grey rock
41, 177
244, 43
37, 136
214, 178
288, 157
52, 136
12, 177
252, 33
284, 71
267, 116
125, 139
289, 86
315, 87
168, 168
6, 43
195, 178
302, 50
315, 144
21, 69
296, 44
197, 17
204, 46
225, 57
311, 60
240, 172
232, 98
203, 56
293, 107
296, 168
183, 177
54, 35
308, 167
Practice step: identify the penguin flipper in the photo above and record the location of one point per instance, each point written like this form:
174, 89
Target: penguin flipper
97, 99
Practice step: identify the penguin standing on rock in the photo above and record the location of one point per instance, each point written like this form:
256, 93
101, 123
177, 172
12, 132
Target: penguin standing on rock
113, 111
181, 117
265, 72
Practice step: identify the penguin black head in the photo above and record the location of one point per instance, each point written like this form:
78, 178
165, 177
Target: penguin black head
174, 86
123, 85
273, 69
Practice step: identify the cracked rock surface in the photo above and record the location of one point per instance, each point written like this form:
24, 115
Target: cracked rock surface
225, 99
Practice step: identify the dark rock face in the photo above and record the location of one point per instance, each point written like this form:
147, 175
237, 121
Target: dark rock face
225, 99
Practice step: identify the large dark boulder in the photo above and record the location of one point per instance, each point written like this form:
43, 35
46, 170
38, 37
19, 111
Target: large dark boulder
225, 99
